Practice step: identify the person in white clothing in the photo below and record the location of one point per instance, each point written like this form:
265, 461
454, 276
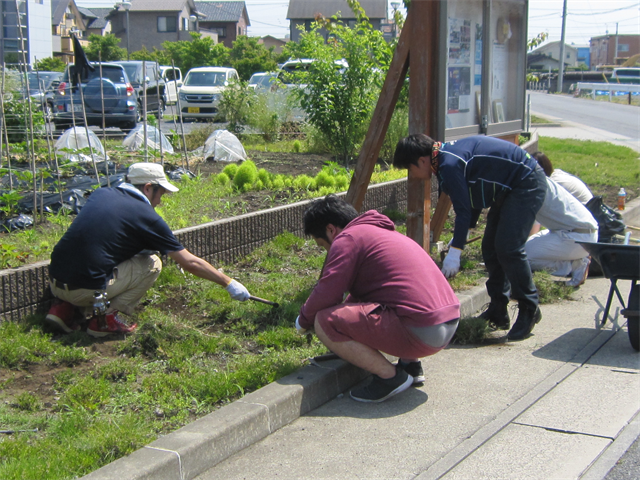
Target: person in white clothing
555, 249
571, 183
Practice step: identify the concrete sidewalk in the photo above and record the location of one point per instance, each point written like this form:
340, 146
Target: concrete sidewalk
562, 404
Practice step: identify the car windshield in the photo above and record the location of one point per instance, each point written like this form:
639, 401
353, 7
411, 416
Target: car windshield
205, 79
115, 74
256, 78
45, 79
169, 74
132, 71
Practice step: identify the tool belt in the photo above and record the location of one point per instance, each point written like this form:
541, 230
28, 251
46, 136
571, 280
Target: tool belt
63, 286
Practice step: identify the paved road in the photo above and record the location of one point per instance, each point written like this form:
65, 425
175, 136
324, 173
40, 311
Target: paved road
611, 117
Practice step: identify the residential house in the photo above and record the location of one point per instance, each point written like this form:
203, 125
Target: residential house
603, 49
26, 44
96, 20
277, 43
548, 56
302, 13
152, 22
228, 20
65, 19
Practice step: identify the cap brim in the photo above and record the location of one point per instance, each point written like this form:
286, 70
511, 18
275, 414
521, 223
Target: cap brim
168, 186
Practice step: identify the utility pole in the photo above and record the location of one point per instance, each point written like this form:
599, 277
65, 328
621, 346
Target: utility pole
564, 26
615, 53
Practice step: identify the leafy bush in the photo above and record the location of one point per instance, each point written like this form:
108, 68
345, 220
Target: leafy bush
324, 179
230, 170
222, 178
16, 115
264, 177
235, 104
304, 182
247, 174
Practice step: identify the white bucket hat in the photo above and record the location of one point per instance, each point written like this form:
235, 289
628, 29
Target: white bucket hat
143, 173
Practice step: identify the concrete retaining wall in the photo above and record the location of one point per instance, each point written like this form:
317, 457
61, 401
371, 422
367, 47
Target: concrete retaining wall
25, 290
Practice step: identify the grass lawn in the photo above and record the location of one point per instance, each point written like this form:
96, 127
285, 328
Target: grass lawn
74, 403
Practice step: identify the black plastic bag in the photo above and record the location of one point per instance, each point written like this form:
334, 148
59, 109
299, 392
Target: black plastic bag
609, 221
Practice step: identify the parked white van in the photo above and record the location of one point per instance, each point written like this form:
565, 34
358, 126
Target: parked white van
201, 91
173, 81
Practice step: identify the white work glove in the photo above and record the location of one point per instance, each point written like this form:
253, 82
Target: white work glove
300, 330
451, 264
237, 291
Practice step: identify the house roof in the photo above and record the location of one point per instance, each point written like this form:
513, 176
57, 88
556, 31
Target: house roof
98, 16
58, 7
159, 5
221, 11
308, 9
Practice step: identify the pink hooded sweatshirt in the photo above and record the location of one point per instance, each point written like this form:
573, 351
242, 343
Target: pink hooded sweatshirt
374, 263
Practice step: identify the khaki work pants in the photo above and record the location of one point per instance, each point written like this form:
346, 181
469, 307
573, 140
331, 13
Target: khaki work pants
131, 280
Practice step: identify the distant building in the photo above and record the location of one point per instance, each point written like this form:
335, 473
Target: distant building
35, 19
603, 49
153, 22
228, 20
304, 13
584, 55
548, 56
277, 43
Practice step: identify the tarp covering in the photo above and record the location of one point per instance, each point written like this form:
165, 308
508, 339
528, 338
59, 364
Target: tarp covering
224, 146
75, 139
135, 139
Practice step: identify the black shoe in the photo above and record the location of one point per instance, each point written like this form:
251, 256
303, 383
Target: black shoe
527, 319
380, 389
414, 369
497, 316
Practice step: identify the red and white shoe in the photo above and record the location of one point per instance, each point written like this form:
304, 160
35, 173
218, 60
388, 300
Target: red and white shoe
113, 324
61, 316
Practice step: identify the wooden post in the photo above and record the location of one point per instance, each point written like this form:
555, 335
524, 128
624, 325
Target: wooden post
423, 111
380, 119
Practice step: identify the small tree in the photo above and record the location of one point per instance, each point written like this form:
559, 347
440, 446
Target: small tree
104, 48
160, 56
50, 64
340, 103
199, 52
248, 56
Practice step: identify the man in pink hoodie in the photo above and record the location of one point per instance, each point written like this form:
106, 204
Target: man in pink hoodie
399, 302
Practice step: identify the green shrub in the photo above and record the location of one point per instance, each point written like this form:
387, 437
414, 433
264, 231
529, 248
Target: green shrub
264, 177
278, 183
258, 185
222, 179
471, 330
247, 174
342, 182
324, 179
304, 182
230, 170
297, 146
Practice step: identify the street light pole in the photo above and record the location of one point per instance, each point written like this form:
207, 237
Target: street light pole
395, 6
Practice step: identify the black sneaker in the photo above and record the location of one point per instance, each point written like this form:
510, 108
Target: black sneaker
380, 389
414, 369
527, 319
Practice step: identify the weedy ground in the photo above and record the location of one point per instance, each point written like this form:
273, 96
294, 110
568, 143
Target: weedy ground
70, 403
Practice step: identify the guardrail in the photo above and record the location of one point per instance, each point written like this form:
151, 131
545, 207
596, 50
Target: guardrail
626, 88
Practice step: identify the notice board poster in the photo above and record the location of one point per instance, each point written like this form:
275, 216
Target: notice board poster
459, 66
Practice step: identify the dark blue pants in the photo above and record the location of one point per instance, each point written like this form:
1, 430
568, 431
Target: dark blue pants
508, 225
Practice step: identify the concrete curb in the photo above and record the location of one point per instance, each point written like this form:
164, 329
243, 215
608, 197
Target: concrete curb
195, 448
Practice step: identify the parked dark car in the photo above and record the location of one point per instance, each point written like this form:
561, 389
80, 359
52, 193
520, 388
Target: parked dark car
150, 81
113, 90
42, 87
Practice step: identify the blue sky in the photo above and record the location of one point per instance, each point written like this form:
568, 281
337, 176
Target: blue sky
585, 19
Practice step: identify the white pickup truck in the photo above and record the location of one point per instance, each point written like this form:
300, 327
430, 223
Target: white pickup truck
173, 81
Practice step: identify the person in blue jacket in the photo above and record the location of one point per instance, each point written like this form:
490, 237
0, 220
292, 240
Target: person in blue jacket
480, 172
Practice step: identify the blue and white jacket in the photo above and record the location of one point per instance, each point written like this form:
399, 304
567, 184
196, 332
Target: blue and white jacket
475, 172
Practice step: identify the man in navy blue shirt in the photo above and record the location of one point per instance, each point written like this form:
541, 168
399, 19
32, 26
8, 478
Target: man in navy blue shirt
480, 172
110, 247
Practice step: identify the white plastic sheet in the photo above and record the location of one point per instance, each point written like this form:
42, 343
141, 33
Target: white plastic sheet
76, 139
135, 139
224, 146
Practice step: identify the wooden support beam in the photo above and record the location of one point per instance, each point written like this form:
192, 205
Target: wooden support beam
440, 216
423, 91
380, 120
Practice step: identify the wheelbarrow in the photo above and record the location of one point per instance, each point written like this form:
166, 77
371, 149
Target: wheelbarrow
620, 262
